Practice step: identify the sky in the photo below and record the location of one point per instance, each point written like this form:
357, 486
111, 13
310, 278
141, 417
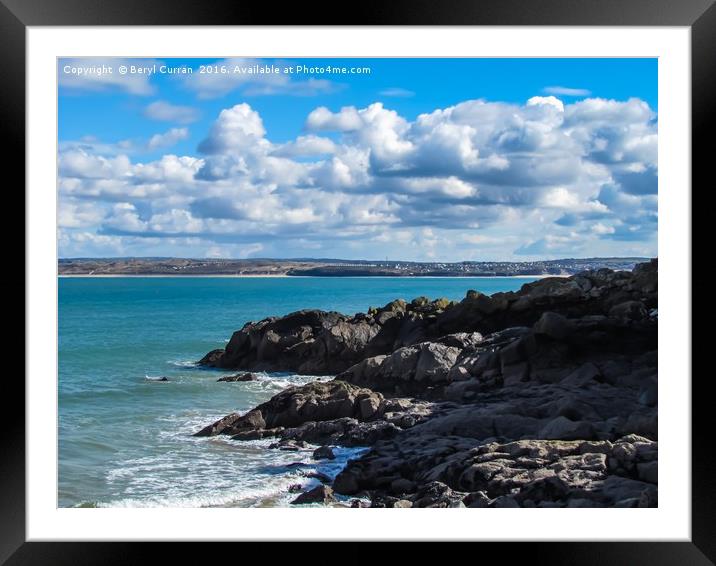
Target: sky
407, 159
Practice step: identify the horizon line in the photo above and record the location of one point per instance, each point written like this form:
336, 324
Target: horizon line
324, 259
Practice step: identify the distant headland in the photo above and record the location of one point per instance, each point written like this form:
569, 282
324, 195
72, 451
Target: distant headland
308, 267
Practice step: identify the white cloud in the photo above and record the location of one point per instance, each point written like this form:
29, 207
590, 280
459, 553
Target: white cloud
78, 214
167, 139
566, 91
168, 169
175, 221
397, 92
125, 218
306, 146
322, 119
166, 112
78, 163
550, 100
236, 128
600, 228
538, 179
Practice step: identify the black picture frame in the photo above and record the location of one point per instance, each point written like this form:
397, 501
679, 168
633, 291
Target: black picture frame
699, 15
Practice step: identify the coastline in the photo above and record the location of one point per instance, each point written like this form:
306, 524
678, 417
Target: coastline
411, 382
544, 397
249, 276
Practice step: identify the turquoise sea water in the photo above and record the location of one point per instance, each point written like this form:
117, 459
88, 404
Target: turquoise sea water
125, 440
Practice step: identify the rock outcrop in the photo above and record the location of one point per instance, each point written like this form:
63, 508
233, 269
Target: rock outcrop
245, 376
315, 342
543, 397
455, 471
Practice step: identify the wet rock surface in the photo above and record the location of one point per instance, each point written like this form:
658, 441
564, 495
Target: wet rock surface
540, 398
320, 494
245, 376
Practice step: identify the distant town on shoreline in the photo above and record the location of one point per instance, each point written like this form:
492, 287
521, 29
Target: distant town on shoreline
335, 267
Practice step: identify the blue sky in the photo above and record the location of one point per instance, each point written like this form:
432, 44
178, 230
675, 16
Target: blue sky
422, 159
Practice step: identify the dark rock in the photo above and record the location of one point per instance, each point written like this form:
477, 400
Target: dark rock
553, 325
257, 434
562, 428
323, 453
346, 483
212, 357
219, 426
247, 376
319, 494
629, 310
544, 397
435, 361
583, 376
437, 494
504, 502
648, 471
345, 432
649, 393
320, 476
518, 350
317, 401
401, 485
288, 445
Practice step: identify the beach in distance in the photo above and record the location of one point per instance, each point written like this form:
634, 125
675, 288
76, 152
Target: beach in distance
96, 267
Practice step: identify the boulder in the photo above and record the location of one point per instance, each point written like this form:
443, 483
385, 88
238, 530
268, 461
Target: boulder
317, 401
435, 361
629, 310
320, 494
553, 325
246, 376
323, 453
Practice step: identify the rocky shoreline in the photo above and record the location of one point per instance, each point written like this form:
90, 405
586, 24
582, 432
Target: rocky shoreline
544, 397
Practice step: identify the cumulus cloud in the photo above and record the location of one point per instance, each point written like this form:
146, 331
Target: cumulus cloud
322, 119
236, 128
168, 169
77, 163
304, 146
475, 180
78, 214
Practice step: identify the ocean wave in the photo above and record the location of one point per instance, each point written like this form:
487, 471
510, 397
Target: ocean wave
183, 363
249, 474
238, 497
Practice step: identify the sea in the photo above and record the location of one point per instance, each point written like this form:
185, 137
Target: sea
126, 439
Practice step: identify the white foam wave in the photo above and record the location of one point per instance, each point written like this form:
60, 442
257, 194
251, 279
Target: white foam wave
157, 378
220, 473
183, 363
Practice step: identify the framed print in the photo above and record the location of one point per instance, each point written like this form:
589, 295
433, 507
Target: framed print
287, 278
